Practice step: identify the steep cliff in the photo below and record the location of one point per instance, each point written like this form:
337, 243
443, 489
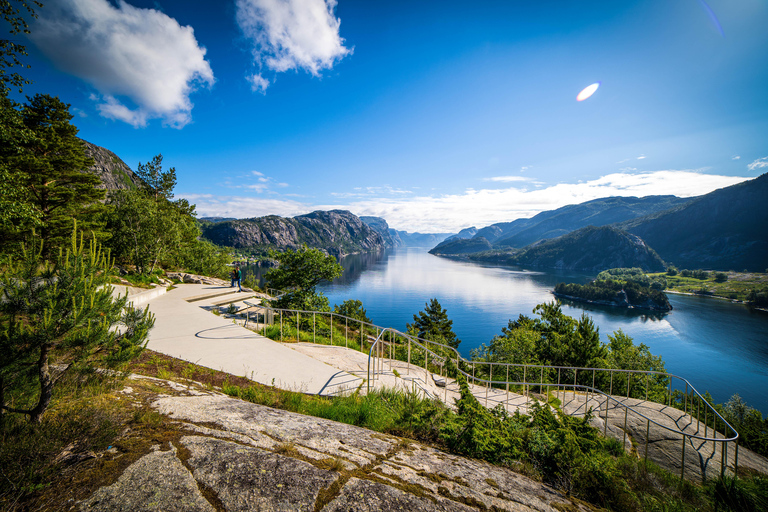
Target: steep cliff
338, 232
380, 226
113, 172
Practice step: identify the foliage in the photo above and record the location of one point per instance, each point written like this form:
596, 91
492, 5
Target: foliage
560, 340
10, 50
15, 210
49, 161
433, 324
298, 273
148, 228
353, 309
639, 290
63, 313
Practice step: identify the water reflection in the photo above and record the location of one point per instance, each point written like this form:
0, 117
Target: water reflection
718, 346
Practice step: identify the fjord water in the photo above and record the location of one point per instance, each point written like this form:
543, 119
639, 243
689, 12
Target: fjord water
718, 346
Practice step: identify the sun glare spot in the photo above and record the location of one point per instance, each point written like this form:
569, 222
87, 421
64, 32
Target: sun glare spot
587, 92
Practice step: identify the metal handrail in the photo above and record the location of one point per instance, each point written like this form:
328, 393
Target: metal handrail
375, 360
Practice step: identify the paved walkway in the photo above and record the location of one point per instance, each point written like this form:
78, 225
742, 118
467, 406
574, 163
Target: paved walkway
184, 330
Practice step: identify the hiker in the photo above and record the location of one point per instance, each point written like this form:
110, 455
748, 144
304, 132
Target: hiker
236, 275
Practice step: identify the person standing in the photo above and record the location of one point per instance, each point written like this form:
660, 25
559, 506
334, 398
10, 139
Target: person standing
236, 277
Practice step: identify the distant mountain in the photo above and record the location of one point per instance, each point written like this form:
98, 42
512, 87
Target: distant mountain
598, 212
724, 230
215, 219
465, 233
338, 232
113, 172
381, 227
421, 239
590, 249
457, 246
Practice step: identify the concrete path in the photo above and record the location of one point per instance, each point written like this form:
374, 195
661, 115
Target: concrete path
185, 328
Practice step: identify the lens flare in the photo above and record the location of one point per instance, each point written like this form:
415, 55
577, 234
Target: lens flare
588, 91
712, 17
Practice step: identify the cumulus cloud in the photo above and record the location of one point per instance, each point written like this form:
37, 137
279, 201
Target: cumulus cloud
760, 163
125, 52
450, 213
291, 35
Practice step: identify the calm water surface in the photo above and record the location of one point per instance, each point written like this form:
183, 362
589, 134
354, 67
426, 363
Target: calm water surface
718, 346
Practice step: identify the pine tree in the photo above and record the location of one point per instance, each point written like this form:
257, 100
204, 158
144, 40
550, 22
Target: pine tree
433, 324
52, 165
60, 312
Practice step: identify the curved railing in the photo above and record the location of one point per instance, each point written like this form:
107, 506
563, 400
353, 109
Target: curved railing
541, 377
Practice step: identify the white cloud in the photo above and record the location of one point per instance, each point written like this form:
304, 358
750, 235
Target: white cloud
291, 35
209, 205
760, 163
641, 157
450, 213
141, 55
736, 157
507, 179
258, 83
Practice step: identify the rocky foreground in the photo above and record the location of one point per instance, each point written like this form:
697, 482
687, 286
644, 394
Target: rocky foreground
227, 454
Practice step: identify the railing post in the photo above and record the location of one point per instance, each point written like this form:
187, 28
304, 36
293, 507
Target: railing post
507, 407
557, 394
647, 440
605, 426
575, 373
331, 327
409, 355
685, 407
610, 392
314, 329
682, 461
298, 330
525, 385
629, 379
426, 363
346, 332
698, 413
626, 412
736, 460
723, 455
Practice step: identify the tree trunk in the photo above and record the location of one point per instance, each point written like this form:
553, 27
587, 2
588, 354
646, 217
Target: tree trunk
46, 386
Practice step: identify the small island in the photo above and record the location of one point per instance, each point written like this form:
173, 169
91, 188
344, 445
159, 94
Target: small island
627, 288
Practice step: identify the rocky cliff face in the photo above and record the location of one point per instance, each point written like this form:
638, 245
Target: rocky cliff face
338, 232
381, 227
113, 172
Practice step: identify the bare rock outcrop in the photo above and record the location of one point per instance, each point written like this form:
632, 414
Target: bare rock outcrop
113, 172
236, 456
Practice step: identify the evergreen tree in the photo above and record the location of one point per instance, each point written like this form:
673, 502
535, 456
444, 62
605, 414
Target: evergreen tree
15, 209
50, 163
60, 312
433, 324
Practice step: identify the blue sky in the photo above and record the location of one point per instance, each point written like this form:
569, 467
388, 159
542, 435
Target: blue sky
434, 115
